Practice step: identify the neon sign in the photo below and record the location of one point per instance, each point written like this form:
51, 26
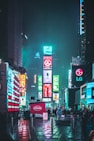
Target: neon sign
79, 72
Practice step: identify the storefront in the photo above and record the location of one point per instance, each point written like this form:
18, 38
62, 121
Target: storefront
87, 94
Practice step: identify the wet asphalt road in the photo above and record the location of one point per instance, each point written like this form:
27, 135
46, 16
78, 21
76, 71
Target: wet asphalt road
37, 129
50, 131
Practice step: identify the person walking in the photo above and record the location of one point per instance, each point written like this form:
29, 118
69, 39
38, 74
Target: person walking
59, 113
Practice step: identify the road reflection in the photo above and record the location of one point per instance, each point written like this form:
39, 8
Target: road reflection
47, 129
23, 130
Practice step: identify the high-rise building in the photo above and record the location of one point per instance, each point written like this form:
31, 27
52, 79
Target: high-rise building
11, 29
87, 35
3, 29
14, 32
89, 29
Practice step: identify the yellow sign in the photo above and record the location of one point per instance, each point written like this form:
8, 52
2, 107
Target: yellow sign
22, 79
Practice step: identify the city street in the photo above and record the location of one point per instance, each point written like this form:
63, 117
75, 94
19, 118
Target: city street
37, 129
46, 70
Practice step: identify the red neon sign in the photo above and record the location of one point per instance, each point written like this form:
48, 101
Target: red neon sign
79, 72
47, 90
47, 62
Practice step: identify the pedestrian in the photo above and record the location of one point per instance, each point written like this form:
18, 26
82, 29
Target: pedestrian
59, 113
49, 113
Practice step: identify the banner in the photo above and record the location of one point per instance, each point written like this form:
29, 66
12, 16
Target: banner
37, 108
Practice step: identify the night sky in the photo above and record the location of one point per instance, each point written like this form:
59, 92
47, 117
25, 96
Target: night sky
56, 23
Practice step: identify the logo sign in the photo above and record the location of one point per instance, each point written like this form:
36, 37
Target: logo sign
79, 72
47, 62
77, 75
37, 108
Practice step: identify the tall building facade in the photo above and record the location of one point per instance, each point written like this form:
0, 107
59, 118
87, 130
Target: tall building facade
14, 32
87, 35
3, 29
11, 29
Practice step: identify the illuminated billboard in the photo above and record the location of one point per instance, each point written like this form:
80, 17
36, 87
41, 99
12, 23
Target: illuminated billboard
56, 97
47, 50
47, 90
69, 78
37, 108
13, 94
82, 15
47, 76
77, 75
22, 79
47, 62
87, 93
55, 83
39, 83
23, 100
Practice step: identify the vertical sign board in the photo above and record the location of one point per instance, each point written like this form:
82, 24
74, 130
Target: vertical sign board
39, 83
70, 78
56, 83
13, 93
82, 14
47, 76
56, 88
77, 75
47, 72
39, 86
22, 80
